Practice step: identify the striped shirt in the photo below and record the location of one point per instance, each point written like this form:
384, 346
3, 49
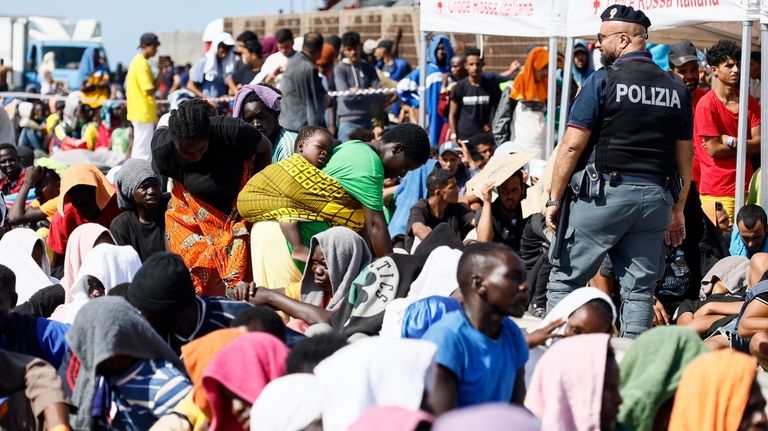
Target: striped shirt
213, 313
145, 392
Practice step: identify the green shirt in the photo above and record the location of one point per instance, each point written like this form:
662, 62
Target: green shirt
360, 171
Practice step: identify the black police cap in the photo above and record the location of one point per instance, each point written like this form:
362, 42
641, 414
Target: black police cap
625, 14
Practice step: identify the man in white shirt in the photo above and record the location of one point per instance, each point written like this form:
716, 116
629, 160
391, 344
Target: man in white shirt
274, 65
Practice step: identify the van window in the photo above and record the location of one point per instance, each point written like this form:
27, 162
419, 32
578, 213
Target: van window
67, 57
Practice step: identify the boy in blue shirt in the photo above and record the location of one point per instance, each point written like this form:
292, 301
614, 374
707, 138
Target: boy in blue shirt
481, 353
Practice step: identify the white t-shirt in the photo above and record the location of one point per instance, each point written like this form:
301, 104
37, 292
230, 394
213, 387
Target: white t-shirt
274, 63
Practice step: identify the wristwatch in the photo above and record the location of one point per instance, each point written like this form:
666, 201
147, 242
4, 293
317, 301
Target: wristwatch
730, 142
551, 203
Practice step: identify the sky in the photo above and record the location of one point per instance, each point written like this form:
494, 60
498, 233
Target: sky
123, 21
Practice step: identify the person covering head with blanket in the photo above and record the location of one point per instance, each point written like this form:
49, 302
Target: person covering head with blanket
209, 159
529, 92
112, 341
347, 192
259, 105
650, 375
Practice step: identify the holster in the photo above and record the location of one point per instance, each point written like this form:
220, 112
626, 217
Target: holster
588, 183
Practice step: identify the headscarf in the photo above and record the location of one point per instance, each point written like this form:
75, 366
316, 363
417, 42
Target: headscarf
390, 418
714, 391
210, 68
129, 178
71, 104
651, 370
575, 300
432, 52
269, 97
567, 387
346, 253
487, 417
268, 46
328, 55
89, 175
525, 86
25, 240
16, 254
107, 327
372, 372
87, 65
111, 265
437, 278
106, 114
289, 403
244, 367
81, 242
198, 353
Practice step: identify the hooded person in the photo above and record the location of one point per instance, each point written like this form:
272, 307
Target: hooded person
28, 242
718, 391
529, 91
650, 375
437, 278
289, 403
139, 195
230, 392
582, 68
576, 385
336, 257
86, 196
372, 372
206, 79
104, 267
439, 53
259, 105
113, 341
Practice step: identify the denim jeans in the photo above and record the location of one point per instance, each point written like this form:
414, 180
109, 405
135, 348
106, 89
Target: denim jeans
348, 126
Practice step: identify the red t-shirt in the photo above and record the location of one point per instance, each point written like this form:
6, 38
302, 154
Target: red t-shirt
62, 226
718, 176
695, 97
11, 187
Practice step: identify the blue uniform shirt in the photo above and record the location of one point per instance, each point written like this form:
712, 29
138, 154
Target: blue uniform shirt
587, 109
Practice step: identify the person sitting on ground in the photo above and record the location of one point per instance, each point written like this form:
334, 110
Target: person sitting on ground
336, 257
229, 390
163, 292
719, 391
260, 105
354, 179
20, 333
23, 252
114, 134
86, 197
260, 319
307, 353
650, 375
31, 394
481, 353
32, 134
210, 159
144, 376
449, 157
46, 184
10, 166
291, 402
502, 220
477, 151
752, 229
142, 224
441, 206
576, 385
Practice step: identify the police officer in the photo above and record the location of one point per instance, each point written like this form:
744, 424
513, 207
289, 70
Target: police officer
626, 158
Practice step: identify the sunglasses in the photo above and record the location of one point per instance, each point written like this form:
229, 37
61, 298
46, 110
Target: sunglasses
601, 37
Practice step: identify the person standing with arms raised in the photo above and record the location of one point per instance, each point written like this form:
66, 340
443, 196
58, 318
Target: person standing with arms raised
626, 156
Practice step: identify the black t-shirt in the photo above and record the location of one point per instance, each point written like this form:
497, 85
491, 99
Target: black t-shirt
216, 179
477, 105
505, 231
146, 239
243, 74
457, 216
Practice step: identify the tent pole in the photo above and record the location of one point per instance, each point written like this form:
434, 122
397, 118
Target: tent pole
741, 140
423, 80
551, 96
566, 91
763, 198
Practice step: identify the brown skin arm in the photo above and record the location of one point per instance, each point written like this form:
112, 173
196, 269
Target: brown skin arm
298, 310
518, 393
376, 228
453, 116
291, 233
56, 415
718, 309
574, 143
754, 320
191, 86
485, 224
445, 396
716, 147
19, 214
420, 230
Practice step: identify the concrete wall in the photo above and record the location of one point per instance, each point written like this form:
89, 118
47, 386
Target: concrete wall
182, 46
